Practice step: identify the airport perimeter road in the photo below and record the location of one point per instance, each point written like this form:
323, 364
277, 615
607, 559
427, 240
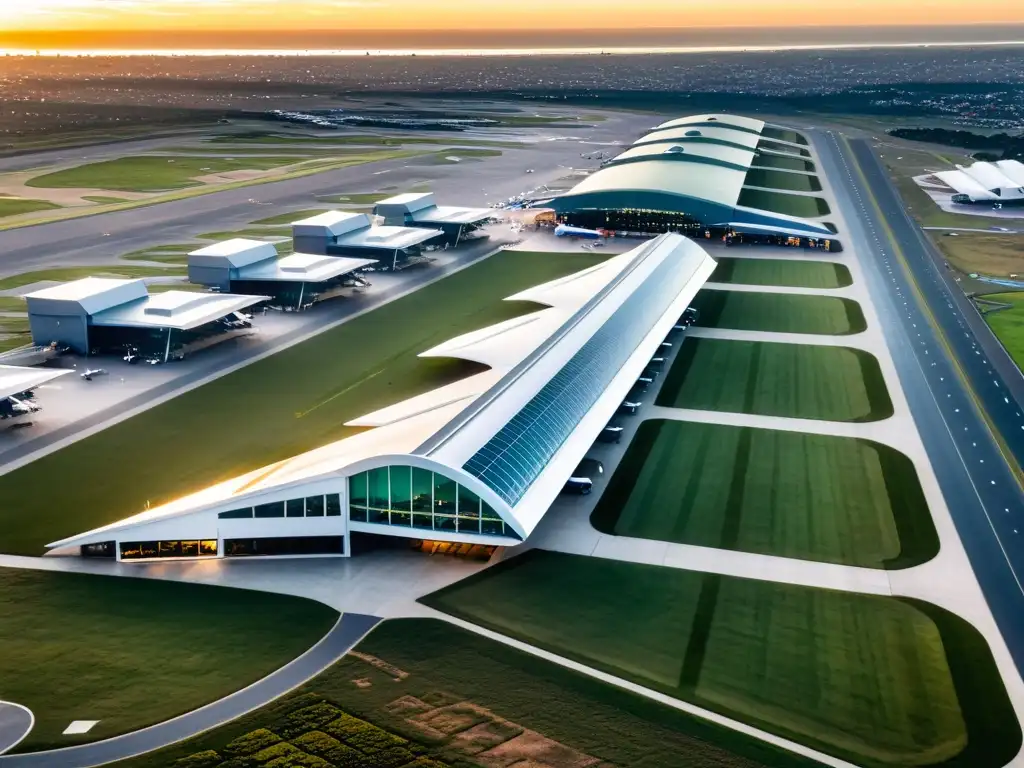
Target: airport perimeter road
349, 630
979, 486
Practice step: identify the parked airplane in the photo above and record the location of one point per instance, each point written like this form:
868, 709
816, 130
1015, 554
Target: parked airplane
563, 230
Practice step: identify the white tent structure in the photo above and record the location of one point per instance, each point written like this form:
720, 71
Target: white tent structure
478, 461
998, 182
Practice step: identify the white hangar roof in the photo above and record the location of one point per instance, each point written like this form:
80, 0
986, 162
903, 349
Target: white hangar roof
15, 378
514, 433
1002, 180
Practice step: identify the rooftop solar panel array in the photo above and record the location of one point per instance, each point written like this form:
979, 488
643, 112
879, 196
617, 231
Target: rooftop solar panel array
511, 460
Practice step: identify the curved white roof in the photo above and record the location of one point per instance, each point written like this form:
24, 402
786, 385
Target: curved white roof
733, 121
612, 316
15, 379
714, 183
1003, 180
688, 152
693, 134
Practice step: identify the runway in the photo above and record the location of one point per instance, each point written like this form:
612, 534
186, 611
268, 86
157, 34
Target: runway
100, 239
980, 488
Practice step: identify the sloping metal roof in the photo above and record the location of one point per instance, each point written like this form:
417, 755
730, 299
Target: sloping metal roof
330, 224
712, 154
303, 268
713, 183
733, 121
702, 135
91, 294
387, 238
182, 310
15, 379
235, 253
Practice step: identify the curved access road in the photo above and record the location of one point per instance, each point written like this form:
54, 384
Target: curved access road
349, 630
15, 723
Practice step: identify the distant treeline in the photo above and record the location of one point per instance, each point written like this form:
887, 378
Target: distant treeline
997, 146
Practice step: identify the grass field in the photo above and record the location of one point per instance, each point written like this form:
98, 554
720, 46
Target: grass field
788, 494
782, 180
76, 273
287, 218
461, 684
325, 142
14, 332
774, 146
13, 206
150, 173
303, 396
1008, 324
877, 681
779, 312
798, 274
783, 163
104, 199
133, 652
800, 381
12, 304
783, 134
780, 202
997, 255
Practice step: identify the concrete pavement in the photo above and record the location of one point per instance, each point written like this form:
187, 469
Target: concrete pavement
15, 723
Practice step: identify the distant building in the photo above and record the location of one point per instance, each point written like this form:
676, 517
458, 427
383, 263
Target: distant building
340, 233
687, 175
418, 209
998, 182
252, 267
96, 315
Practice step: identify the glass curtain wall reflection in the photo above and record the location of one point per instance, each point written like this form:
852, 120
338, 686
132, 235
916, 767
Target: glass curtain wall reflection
419, 499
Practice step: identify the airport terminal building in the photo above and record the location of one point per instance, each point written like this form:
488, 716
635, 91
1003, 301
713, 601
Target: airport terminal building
687, 175
478, 461
1000, 182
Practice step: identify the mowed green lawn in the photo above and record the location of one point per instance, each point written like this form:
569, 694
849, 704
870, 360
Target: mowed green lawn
133, 652
796, 274
805, 206
151, 173
778, 312
788, 494
13, 206
800, 381
781, 180
449, 674
1008, 324
290, 402
877, 681
784, 163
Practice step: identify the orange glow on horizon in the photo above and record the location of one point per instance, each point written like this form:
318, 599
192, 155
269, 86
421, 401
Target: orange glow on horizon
269, 15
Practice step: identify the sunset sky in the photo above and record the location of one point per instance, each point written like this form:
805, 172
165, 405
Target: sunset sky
472, 14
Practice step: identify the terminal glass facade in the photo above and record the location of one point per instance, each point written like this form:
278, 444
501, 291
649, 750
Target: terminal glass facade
328, 505
145, 550
635, 220
511, 460
415, 498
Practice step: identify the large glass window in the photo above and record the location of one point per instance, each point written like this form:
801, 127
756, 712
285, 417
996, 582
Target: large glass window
273, 509
144, 550
295, 508
333, 505
421, 499
314, 506
233, 514
286, 545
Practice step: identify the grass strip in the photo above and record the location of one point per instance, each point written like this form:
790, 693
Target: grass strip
800, 381
781, 272
131, 652
865, 678
788, 494
779, 312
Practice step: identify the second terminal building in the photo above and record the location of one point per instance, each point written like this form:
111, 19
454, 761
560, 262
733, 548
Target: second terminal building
478, 461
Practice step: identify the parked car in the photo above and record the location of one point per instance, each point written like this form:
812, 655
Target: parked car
610, 434
582, 479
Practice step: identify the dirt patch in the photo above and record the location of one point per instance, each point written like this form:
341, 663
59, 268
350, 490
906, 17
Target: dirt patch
388, 669
481, 737
13, 184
